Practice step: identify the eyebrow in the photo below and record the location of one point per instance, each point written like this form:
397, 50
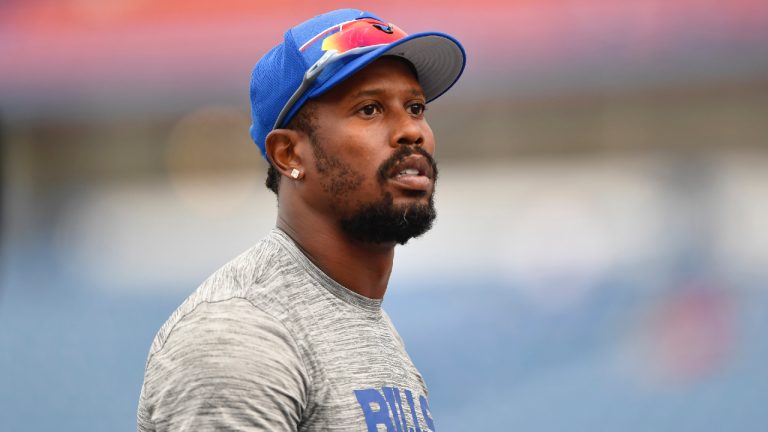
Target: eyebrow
379, 91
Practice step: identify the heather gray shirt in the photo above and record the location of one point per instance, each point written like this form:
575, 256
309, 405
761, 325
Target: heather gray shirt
269, 342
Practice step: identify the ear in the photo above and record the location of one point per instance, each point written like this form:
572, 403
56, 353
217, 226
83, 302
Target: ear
284, 148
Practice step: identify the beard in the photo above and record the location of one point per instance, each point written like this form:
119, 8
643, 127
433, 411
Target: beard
381, 221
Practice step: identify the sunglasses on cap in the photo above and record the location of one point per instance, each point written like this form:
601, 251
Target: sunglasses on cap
342, 40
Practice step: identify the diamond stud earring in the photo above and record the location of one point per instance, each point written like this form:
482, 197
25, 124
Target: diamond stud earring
295, 173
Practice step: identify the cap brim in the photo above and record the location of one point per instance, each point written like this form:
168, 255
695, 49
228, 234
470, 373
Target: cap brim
439, 60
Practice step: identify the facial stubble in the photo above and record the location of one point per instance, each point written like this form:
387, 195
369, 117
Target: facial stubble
380, 221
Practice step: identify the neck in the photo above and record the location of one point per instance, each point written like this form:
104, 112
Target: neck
360, 267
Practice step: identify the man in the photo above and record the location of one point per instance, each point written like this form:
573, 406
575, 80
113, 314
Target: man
291, 335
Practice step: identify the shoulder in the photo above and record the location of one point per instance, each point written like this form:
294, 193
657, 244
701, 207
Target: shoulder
230, 323
225, 355
227, 352
231, 334
241, 286
392, 329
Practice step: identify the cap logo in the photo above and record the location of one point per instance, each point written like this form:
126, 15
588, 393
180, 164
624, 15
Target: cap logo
385, 29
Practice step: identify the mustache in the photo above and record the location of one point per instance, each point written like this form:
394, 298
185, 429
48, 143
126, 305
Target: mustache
402, 153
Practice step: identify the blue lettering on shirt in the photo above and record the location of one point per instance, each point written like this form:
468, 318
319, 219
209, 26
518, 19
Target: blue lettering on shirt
386, 407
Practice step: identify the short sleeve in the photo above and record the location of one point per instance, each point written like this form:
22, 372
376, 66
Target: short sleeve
225, 366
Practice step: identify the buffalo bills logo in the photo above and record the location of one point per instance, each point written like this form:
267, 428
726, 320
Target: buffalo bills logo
385, 28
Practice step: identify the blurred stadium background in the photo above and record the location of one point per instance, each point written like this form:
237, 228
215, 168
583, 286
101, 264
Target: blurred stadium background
601, 252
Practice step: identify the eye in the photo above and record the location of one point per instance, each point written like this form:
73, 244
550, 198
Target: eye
417, 109
369, 110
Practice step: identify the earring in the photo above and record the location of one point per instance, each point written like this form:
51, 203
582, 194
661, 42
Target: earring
295, 173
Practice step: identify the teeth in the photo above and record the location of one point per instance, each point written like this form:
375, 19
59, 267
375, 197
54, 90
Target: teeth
409, 171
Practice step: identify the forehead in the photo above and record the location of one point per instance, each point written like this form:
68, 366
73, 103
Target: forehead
385, 75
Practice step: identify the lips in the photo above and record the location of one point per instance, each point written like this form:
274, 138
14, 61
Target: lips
413, 172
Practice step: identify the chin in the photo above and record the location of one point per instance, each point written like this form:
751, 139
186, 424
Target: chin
388, 221
424, 195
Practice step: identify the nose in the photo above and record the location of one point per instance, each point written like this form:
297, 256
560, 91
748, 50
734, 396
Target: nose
408, 131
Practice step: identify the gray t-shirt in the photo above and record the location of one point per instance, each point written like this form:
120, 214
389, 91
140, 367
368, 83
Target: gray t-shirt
270, 342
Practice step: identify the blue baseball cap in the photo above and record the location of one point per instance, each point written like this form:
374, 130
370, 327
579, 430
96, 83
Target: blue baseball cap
299, 68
